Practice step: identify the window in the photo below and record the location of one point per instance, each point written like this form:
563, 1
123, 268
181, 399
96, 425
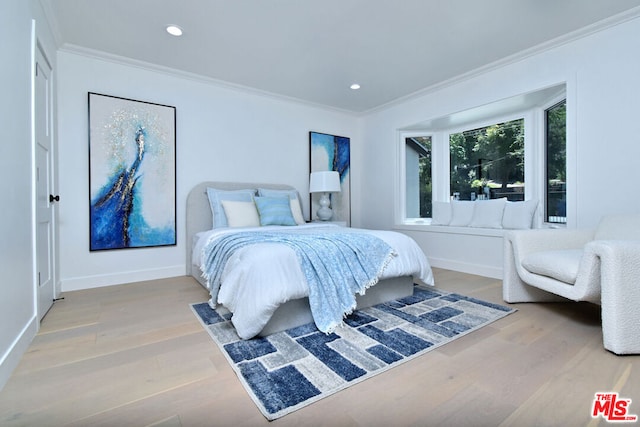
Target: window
418, 177
488, 162
514, 148
556, 163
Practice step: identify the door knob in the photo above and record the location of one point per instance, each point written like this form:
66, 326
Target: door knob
53, 198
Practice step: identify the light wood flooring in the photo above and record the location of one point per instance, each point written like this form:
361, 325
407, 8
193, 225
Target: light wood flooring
135, 355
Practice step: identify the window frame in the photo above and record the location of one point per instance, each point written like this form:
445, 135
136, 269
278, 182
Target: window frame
528, 120
416, 173
543, 200
401, 202
534, 155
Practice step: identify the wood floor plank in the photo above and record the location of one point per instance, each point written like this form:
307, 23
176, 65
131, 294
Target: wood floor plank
136, 355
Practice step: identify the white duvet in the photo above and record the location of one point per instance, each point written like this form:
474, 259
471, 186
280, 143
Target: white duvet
257, 279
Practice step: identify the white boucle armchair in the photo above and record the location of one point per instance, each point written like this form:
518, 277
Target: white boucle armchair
601, 265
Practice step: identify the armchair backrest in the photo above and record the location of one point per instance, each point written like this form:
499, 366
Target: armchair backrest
618, 227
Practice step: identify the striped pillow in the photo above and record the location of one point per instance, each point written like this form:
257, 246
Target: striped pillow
274, 211
292, 195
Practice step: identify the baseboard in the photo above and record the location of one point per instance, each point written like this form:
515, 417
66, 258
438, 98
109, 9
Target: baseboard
17, 349
119, 278
464, 267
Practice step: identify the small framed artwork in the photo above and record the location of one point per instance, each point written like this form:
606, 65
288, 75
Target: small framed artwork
132, 173
332, 153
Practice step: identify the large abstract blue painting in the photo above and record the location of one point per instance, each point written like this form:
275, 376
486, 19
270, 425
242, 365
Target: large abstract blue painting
132, 173
332, 153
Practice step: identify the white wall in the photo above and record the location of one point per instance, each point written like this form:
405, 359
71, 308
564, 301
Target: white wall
18, 316
223, 134
601, 71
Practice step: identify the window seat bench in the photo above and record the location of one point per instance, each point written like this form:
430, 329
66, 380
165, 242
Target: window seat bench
468, 236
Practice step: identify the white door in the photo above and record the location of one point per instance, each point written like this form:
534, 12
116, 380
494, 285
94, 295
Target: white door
45, 199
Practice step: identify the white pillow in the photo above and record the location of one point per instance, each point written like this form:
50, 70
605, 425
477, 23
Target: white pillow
296, 211
241, 214
441, 213
488, 213
519, 215
461, 213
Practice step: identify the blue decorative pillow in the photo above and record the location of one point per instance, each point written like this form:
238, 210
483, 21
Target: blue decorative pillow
294, 201
215, 201
274, 211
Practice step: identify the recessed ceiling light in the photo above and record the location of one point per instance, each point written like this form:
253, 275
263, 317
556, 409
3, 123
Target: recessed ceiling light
355, 86
174, 30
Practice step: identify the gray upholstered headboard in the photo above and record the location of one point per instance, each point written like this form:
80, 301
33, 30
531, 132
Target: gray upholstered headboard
199, 216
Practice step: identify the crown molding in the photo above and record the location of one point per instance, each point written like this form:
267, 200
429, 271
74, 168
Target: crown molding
148, 66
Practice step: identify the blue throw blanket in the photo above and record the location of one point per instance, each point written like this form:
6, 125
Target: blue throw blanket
336, 264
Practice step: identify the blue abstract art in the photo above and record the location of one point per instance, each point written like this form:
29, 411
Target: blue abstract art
132, 177
288, 370
332, 153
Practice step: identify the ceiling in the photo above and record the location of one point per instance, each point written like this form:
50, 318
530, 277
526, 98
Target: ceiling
314, 50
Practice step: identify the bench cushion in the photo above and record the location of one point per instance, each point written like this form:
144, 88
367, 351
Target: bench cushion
561, 265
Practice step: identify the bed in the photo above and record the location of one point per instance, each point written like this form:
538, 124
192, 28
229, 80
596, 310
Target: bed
263, 300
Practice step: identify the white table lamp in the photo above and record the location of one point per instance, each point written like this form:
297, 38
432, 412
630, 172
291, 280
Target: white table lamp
324, 182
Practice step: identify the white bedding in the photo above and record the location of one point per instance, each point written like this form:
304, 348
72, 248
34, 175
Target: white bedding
257, 279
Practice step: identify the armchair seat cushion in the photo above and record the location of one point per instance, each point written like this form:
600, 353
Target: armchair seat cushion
561, 265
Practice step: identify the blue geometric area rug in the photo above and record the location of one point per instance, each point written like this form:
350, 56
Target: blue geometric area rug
288, 370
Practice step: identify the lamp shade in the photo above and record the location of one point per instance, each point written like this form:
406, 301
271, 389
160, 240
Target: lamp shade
324, 182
